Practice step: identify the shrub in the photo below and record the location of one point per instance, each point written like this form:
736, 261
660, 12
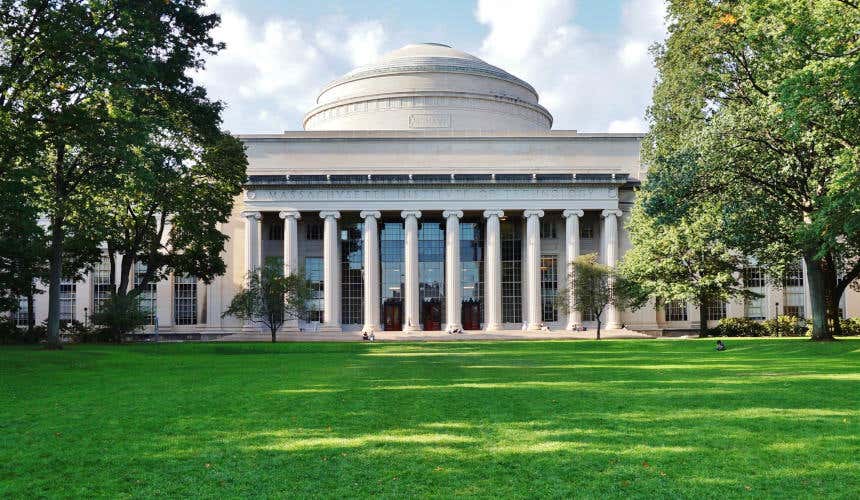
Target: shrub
738, 327
850, 327
12, 334
785, 326
119, 315
84, 334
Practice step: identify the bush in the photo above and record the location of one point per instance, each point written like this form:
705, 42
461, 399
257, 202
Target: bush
785, 326
119, 315
84, 334
738, 327
12, 334
850, 327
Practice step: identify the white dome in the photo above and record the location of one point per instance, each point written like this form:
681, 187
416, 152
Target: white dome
428, 86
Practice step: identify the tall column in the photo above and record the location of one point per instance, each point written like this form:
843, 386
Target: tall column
291, 241
252, 240
411, 317
453, 292
493, 272
331, 272
610, 239
571, 242
371, 271
533, 302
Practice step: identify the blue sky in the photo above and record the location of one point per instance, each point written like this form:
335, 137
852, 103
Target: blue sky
588, 58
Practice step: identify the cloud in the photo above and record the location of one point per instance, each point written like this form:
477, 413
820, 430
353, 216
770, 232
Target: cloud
270, 72
589, 81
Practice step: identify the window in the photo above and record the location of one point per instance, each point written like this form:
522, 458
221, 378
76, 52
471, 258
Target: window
147, 294
548, 287
472, 273
512, 276
796, 311
431, 273
753, 277
22, 314
391, 256
68, 291
676, 310
586, 231
754, 308
715, 310
793, 276
314, 274
351, 272
101, 283
276, 231
313, 231
588, 316
185, 300
795, 300
548, 229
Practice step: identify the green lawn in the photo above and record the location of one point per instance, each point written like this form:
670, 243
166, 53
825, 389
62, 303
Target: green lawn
492, 419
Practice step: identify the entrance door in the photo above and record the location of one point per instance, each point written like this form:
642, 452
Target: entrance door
393, 314
471, 315
432, 314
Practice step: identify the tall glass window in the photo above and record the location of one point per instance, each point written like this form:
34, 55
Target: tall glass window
472, 274
512, 276
676, 310
351, 267
716, 310
314, 274
147, 294
754, 281
431, 274
185, 300
101, 283
68, 298
391, 252
548, 287
22, 314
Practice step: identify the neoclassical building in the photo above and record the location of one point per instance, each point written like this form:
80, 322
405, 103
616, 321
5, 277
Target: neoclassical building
429, 192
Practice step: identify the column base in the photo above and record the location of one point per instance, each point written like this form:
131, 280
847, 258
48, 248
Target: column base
330, 328
453, 327
412, 328
492, 327
533, 327
371, 328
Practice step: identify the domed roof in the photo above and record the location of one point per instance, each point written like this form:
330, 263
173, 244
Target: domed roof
428, 85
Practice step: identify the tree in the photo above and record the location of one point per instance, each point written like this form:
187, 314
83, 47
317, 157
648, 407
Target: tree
685, 260
594, 287
270, 298
76, 83
757, 109
120, 315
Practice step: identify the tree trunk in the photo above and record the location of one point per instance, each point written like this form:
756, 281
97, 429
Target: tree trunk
598, 328
54, 277
831, 296
31, 314
817, 291
703, 317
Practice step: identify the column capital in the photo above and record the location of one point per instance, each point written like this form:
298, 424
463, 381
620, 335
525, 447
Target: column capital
615, 212
569, 213
290, 213
376, 214
325, 214
532, 213
493, 213
456, 213
411, 213
252, 215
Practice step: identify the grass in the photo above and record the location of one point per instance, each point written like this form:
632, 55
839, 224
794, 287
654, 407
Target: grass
768, 417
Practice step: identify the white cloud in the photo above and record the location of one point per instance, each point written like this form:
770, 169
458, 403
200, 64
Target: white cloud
589, 81
270, 72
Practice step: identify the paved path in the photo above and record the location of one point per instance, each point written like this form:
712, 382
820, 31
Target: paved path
435, 336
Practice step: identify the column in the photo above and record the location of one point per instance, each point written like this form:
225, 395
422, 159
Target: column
411, 318
370, 253
331, 272
493, 272
571, 242
252, 240
533, 302
453, 292
291, 241
610, 252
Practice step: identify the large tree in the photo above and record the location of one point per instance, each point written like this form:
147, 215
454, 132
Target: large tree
686, 260
76, 82
757, 109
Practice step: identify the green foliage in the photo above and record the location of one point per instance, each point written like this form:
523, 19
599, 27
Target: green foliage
119, 315
756, 111
594, 286
78, 332
785, 326
11, 334
270, 298
851, 327
738, 327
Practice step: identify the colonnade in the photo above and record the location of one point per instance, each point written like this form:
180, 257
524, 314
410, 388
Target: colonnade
411, 306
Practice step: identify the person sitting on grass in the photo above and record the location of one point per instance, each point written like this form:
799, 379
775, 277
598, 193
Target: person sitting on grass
721, 346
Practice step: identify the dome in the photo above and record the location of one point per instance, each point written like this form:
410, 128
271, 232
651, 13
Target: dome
428, 86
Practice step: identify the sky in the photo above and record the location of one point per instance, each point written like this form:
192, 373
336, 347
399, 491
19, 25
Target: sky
588, 59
